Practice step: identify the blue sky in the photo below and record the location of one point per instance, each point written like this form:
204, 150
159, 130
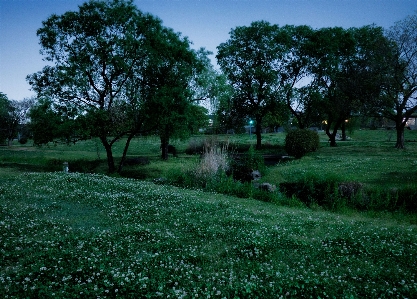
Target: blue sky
207, 23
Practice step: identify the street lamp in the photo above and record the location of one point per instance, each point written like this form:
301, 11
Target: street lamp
250, 128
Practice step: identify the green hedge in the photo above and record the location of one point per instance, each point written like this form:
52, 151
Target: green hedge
300, 142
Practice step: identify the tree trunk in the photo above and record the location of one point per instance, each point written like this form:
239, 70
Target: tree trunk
164, 148
109, 153
332, 135
129, 138
258, 133
400, 136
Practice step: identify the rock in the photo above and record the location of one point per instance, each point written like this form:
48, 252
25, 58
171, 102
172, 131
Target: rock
255, 175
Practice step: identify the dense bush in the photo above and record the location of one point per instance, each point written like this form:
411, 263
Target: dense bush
314, 190
300, 142
23, 140
332, 194
242, 165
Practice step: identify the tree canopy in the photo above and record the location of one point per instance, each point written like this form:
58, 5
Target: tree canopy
105, 60
253, 61
401, 92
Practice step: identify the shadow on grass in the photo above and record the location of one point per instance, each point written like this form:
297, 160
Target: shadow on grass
79, 165
24, 167
395, 178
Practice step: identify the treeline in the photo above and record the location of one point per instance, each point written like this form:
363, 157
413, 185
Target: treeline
116, 72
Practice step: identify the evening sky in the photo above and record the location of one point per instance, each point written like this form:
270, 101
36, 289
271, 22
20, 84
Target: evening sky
207, 23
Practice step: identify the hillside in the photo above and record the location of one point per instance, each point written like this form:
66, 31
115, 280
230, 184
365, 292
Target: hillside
82, 236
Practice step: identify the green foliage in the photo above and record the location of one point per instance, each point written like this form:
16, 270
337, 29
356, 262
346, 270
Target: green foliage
242, 165
122, 72
301, 141
332, 193
4, 116
264, 48
314, 190
211, 173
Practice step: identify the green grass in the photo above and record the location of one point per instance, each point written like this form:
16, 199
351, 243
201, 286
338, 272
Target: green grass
92, 236
368, 158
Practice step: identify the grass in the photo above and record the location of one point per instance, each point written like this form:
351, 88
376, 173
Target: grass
368, 158
86, 235
81, 235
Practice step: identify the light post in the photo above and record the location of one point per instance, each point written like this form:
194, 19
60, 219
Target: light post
250, 128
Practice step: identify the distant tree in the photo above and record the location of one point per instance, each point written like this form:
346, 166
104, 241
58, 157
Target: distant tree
13, 114
97, 57
402, 90
4, 117
22, 111
252, 60
44, 123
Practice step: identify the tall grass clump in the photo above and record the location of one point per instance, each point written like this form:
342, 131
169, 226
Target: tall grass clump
213, 164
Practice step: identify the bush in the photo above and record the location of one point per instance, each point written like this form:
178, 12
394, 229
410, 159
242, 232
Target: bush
315, 190
241, 166
300, 142
23, 140
332, 194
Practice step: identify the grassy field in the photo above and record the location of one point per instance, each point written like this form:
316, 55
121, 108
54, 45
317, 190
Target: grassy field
92, 236
83, 235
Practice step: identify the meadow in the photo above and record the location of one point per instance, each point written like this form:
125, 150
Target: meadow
89, 235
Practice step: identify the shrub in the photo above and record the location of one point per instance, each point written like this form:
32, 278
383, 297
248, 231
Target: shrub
242, 165
195, 146
300, 142
23, 140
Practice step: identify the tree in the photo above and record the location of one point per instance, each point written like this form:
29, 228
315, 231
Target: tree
402, 90
4, 117
22, 113
44, 123
97, 57
300, 97
252, 60
13, 115
173, 86
348, 72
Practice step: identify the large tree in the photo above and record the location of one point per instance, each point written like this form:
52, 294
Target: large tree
174, 84
98, 58
252, 60
348, 72
402, 90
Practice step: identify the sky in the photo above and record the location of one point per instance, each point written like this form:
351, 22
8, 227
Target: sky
207, 23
